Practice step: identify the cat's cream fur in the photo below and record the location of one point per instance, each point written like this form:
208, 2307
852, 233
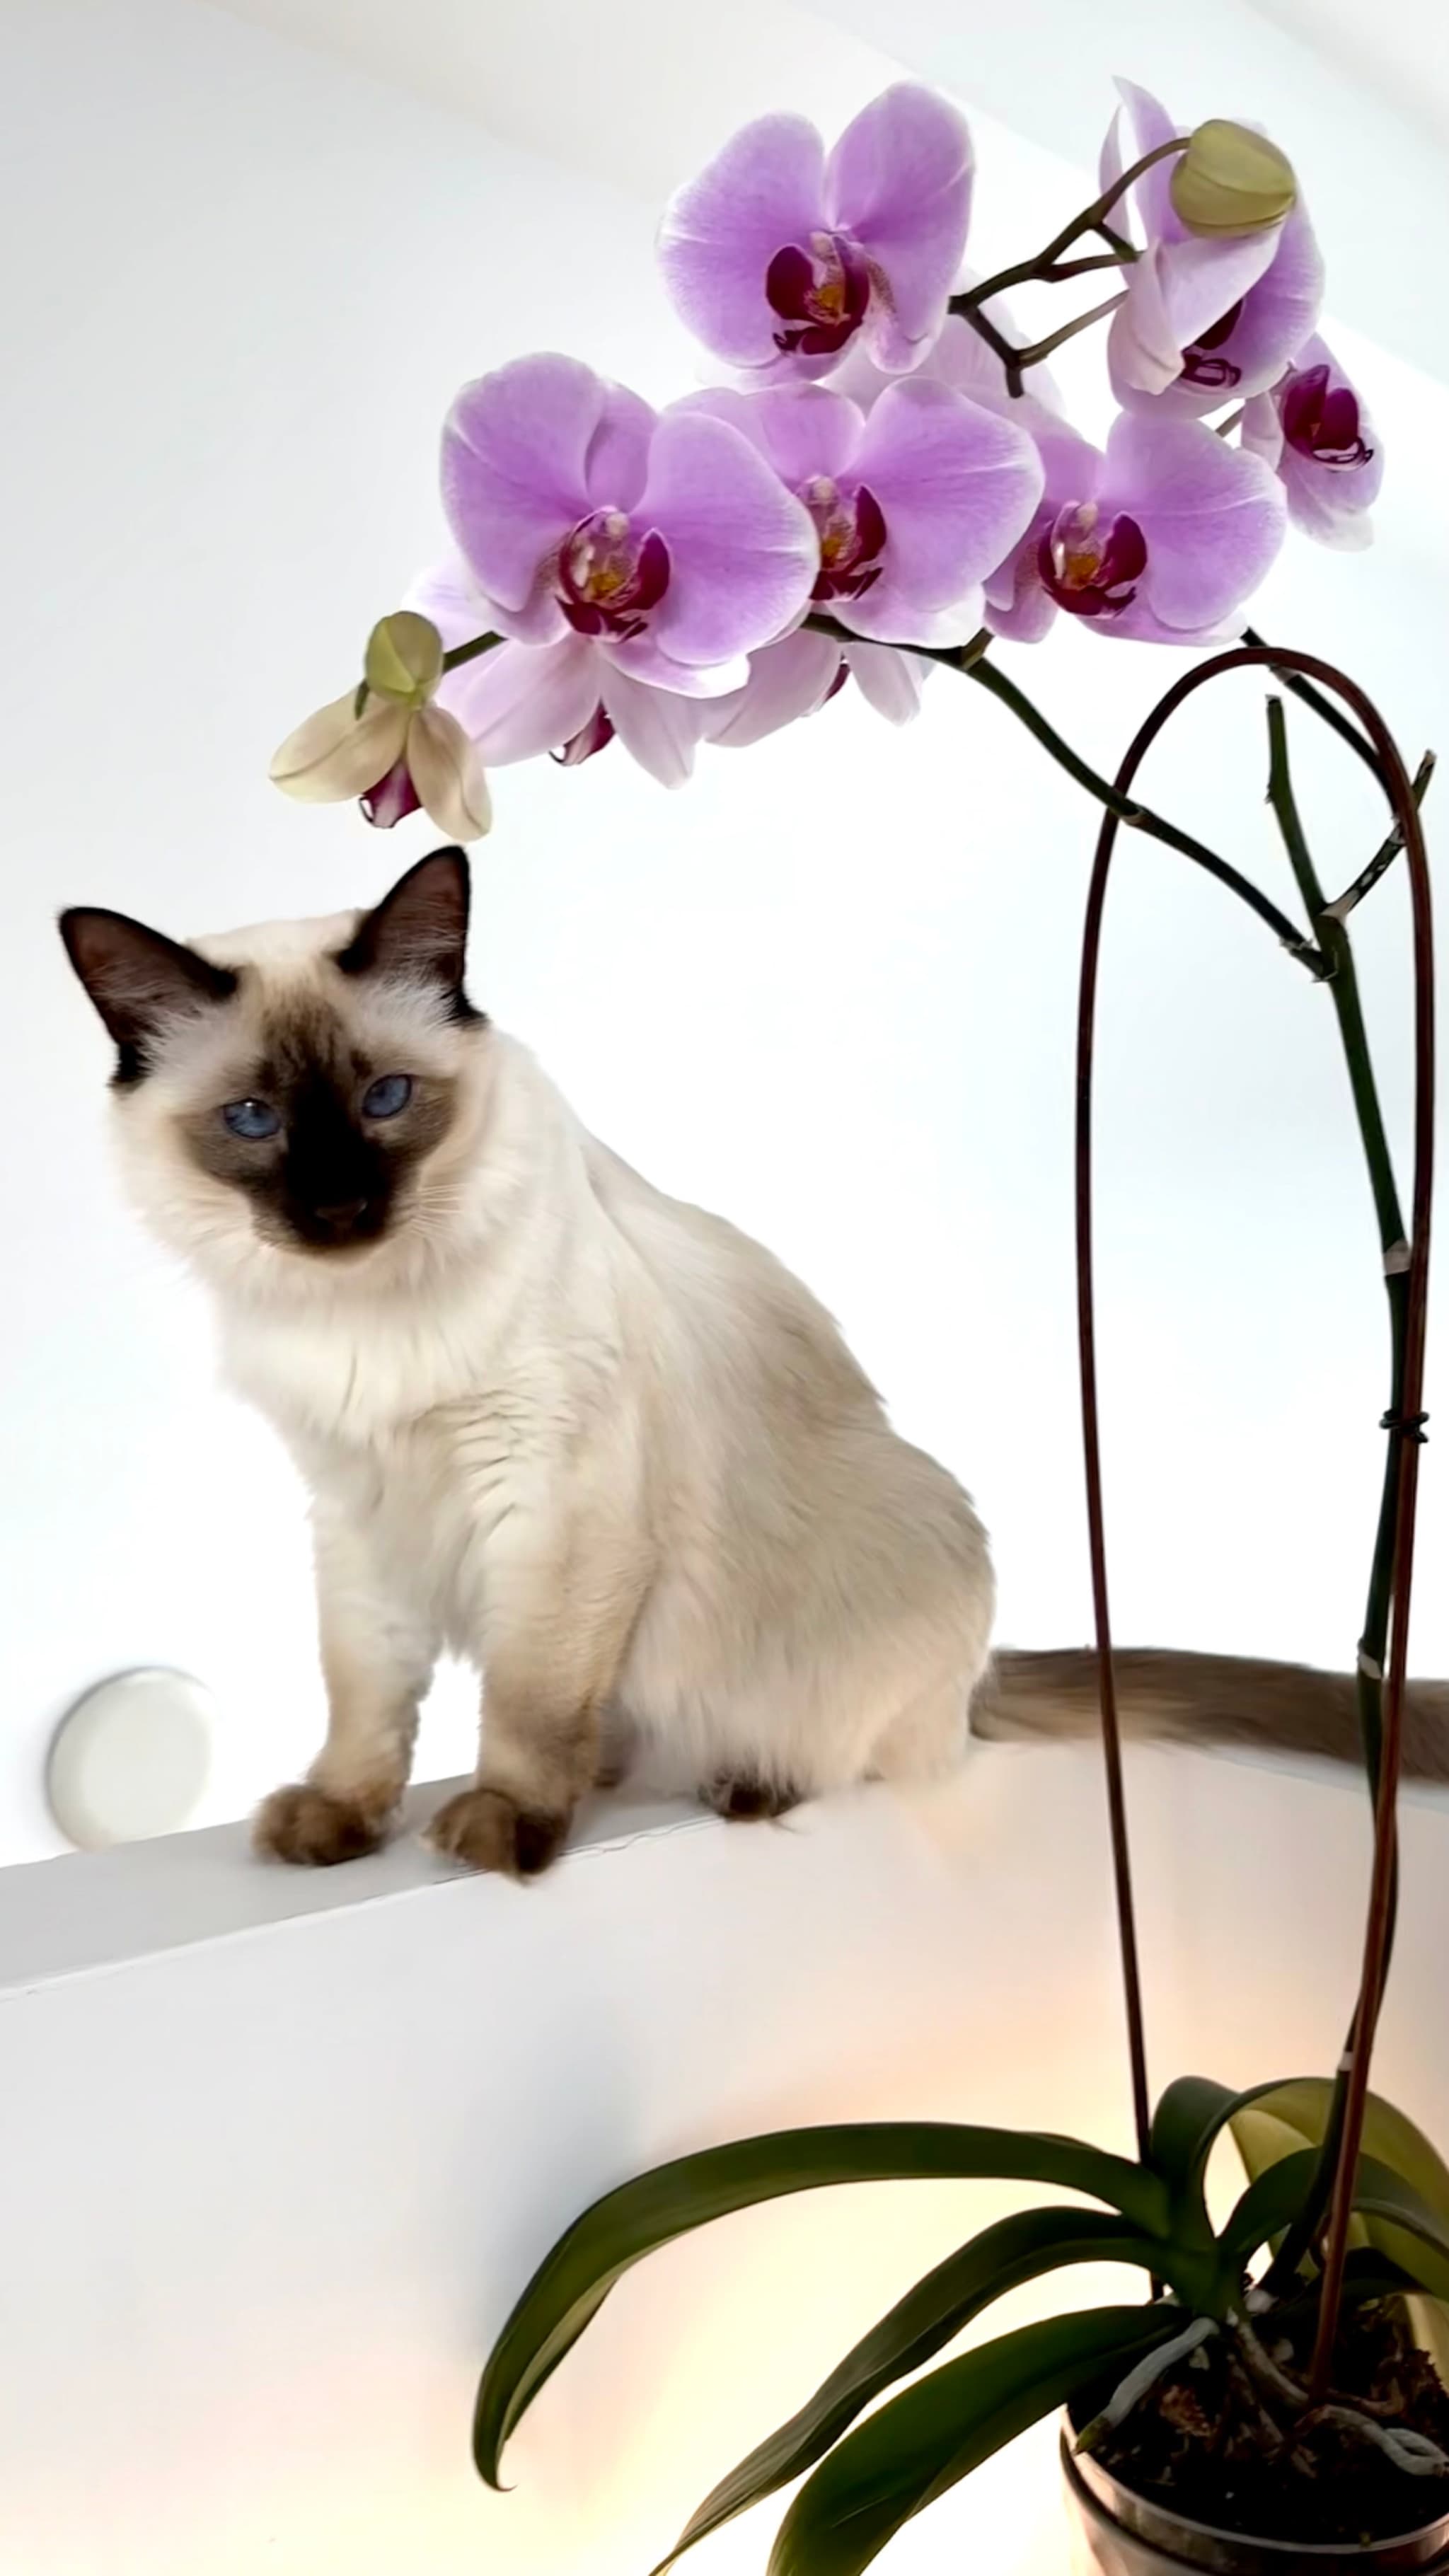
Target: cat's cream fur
591, 1439
594, 1440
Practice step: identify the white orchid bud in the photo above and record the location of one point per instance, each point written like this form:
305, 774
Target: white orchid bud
448, 775
337, 753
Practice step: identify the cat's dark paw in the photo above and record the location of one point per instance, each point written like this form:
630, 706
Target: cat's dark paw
315, 1829
747, 1800
486, 1829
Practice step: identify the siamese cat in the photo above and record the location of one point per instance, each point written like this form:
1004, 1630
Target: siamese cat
592, 1440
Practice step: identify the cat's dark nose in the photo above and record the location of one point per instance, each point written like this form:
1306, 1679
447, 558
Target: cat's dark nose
341, 1214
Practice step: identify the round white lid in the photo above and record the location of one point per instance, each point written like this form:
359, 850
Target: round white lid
131, 1759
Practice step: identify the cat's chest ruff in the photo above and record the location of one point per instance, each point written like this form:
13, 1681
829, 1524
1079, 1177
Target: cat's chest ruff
359, 1386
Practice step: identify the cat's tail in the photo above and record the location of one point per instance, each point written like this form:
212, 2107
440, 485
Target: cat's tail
1204, 1699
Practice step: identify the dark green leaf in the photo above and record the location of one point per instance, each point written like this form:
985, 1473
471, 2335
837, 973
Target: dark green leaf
999, 2259
912, 2450
576, 2277
1291, 2117
1420, 2237
1186, 2126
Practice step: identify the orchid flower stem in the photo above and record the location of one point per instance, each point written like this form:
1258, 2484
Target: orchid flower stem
1384, 856
971, 659
1051, 267
1092, 219
469, 652
1141, 818
1324, 708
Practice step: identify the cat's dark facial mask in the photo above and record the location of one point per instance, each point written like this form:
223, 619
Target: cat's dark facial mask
320, 1136
317, 1083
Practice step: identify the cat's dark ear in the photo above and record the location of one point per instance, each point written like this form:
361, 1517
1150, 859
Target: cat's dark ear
419, 932
139, 980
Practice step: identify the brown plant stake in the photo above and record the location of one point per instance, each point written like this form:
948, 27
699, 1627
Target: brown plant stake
1299, 670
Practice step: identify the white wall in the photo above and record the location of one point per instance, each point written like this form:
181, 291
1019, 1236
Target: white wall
272, 2184
827, 988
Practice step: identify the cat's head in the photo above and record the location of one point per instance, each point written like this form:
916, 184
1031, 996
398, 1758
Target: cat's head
297, 1102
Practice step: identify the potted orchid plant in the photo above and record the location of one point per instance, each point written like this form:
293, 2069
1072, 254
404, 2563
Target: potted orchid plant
888, 484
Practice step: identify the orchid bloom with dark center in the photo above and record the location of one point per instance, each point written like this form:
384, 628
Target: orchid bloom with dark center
1203, 316
852, 538
1091, 564
1313, 430
780, 255
609, 578
820, 293
1322, 424
1201, 362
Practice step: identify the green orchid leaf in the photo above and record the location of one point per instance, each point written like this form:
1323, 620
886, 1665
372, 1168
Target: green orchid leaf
573, 2280
1186, 2126
1014, 2250
912, 2450
1291, 2117
1420, 2237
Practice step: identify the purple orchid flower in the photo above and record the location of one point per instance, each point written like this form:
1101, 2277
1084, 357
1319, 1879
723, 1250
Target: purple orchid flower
777, 256
1161, 539
1313, 430
1204, 321
569, 697
800, 674
666, 542
913, 503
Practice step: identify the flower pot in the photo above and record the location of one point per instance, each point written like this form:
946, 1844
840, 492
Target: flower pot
1119, 2533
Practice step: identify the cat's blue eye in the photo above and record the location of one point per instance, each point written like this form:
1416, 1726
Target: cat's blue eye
385, 1097
253, 1119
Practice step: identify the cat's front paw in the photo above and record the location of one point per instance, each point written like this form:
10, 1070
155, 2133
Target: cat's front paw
486, 1829
315, 1829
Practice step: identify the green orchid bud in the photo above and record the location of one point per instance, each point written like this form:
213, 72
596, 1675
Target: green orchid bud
404, 658
1231, 181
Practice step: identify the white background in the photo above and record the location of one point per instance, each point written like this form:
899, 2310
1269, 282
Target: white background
827, 988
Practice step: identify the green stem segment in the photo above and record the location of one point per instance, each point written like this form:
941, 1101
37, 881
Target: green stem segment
1051, 267
971, 659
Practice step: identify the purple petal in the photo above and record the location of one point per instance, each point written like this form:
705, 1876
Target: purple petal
720, 232
888, 618
889, 682
1262, 430
1328, 501
1213, 516
743, 551
1150, 125
1280, 311
519, 701
899, 180
616, 463
957, 486
1110, 165
644, 658
659, 730
1176, 291
516, 453
803, 429
447, 594
787, 680
1019, 606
